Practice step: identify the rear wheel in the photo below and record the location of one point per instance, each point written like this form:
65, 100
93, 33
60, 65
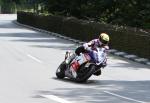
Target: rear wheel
60, 72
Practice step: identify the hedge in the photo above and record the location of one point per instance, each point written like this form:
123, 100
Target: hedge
131, 40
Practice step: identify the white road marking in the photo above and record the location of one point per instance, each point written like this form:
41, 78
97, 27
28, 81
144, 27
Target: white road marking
55, 98
34, 58
127, 98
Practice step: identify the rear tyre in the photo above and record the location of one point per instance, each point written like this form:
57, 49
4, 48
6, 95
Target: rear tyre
60, 72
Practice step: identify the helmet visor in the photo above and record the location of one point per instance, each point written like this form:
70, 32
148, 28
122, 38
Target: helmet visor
104, 42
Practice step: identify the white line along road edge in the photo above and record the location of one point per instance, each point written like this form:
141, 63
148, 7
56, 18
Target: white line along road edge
55, 98
34, 58
127, 98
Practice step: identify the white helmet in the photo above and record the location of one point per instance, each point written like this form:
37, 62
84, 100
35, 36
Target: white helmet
104, 38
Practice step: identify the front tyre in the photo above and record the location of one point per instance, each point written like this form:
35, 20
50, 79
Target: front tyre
60, 72
87, 74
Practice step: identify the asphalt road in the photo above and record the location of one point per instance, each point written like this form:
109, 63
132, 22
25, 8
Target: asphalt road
28, 60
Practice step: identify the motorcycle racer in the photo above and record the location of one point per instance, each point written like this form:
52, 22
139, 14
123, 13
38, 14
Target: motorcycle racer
102, 41
91, 49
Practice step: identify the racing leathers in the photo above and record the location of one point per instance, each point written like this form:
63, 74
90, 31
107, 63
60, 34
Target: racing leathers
92, 45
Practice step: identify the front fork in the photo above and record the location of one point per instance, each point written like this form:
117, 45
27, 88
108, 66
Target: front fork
69, 57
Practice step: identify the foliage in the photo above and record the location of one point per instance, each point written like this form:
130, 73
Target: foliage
119, 12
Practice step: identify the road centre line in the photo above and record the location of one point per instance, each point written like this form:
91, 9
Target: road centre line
55, 98
127, 98
34, 58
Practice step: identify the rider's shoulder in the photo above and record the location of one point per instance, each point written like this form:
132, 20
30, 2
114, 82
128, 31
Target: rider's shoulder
95, 40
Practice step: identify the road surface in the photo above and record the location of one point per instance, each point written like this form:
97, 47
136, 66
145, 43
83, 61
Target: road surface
27, 72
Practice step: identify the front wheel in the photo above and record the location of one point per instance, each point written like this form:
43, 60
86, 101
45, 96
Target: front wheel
86, 74
60, 72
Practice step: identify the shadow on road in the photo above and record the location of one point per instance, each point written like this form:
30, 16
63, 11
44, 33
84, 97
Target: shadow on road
94, 91
32, 38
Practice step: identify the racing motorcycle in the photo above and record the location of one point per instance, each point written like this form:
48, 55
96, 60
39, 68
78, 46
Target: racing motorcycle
89, 63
